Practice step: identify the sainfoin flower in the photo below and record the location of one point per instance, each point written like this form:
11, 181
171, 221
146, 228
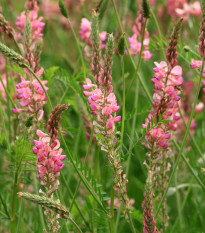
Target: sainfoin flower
36, 24
182, 8
189, 9
103, 107
197, 64
165, 105
135, 40
31, 96
85, 33
50, 157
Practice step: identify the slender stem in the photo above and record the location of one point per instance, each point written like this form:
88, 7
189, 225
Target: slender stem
192, 138
5, 89
8, 109
159, 32
17, 46
140, 57
86, 164
13, 206
131, 222
183, 142
130, 146
182, 207
112, 219
75, 224
129, 55
4, 127
123, 104
117, 15
39, 207
74, 196
178, 203
78, 47
75, 203
89, 147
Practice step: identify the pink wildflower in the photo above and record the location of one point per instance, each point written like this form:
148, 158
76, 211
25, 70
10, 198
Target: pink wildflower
197, 64
135, 40
85, 33
50, 157
31, 95
101, 105
36, 24
188, 10
172, 5
165, 104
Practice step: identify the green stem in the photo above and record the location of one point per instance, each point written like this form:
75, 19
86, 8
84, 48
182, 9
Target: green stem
112, 219
123, 104
75, 224
78, 47
178, 203
131, 222
39, 207
192, 137
130, 146
75, 203
13, 206
8, 104
159, 32
75, 195
182, 207
4, 127
183, 142
140, 57
7, 93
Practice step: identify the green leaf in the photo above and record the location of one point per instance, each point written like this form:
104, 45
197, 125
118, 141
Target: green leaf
48, 74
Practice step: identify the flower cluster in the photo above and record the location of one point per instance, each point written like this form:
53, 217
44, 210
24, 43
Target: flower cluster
189, 9
85, 33
183, 9
50, 158
32, 96
135, 40
101, 105
197, 64
165, 104
36, 24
